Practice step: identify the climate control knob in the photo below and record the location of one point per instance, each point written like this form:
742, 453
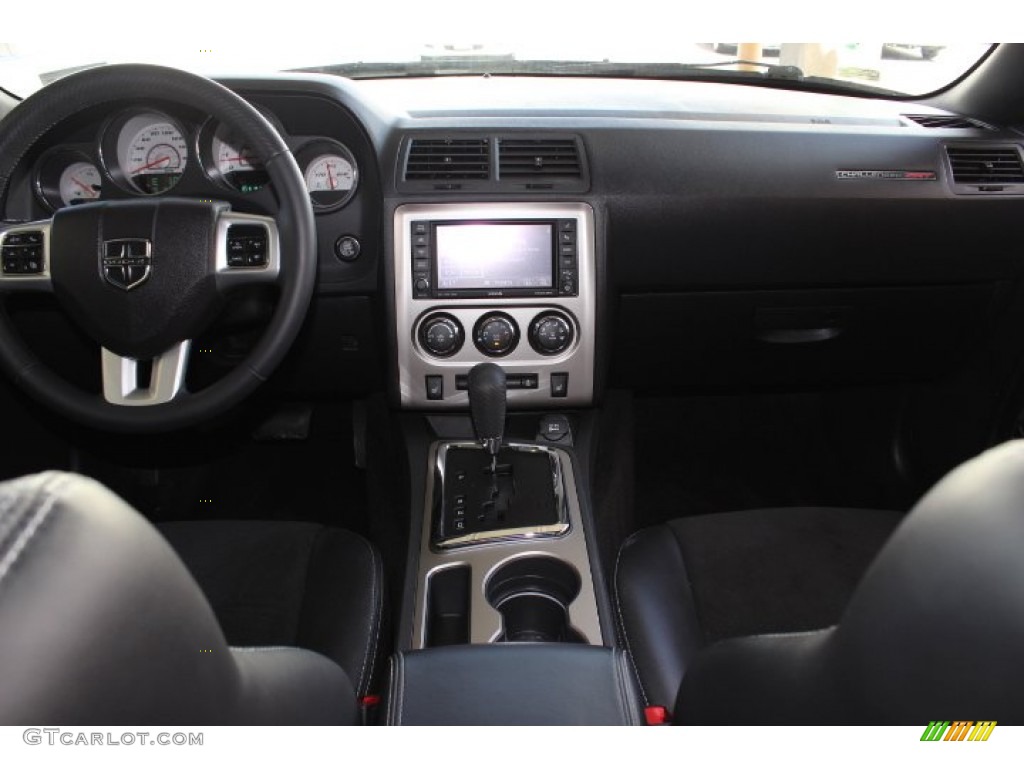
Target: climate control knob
551, 333
496, 334
441, 335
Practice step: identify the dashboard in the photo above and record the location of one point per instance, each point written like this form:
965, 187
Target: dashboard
722, 235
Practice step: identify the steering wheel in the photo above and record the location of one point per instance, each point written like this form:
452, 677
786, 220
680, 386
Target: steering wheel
143, 277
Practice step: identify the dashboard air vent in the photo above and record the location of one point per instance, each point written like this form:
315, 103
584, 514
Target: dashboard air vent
949, 121
531, 158
986, 165
448, 160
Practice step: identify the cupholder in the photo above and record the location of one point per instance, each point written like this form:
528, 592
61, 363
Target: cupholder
533, 595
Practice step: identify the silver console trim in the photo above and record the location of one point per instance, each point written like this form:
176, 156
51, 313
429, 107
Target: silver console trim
483, 558
414, 364
559, 528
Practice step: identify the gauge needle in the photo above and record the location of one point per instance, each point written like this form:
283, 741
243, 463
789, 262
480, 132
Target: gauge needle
156, 162
87, 187
330, 176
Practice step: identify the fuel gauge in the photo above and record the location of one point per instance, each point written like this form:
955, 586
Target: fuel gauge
67, 176
332, 176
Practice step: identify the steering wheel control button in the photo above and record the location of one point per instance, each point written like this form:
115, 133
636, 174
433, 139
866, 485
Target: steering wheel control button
441, 335
551, 333
22, 253
247, 245
496, 334
559, 384
435, 387
347, 248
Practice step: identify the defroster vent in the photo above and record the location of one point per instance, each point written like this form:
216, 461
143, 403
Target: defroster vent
949, 121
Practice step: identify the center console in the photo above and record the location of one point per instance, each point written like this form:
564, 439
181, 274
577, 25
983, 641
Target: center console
495, 306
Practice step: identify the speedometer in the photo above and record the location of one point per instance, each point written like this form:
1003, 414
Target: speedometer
152, 153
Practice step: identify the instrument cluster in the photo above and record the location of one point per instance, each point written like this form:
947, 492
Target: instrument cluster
145, 151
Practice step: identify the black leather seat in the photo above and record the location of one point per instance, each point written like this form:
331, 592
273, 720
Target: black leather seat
715, 613
102, 624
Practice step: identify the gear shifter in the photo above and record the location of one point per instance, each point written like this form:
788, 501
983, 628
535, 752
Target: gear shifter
487, 407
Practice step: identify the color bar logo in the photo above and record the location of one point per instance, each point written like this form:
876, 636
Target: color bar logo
961, 730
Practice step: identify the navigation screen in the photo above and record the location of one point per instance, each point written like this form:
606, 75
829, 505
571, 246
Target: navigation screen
483, 256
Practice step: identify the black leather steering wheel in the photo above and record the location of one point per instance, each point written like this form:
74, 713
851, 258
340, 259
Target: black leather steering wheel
143, 277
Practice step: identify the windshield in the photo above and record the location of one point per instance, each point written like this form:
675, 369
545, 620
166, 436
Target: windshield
902, 69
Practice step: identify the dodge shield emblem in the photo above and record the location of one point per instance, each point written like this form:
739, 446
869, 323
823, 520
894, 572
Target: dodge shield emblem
126, 263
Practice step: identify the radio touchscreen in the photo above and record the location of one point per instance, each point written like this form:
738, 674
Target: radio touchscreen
494, 256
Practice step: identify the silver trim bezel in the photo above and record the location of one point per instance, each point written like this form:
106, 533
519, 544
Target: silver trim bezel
559, 528
39, 281
228, 277
578, 361
483, 558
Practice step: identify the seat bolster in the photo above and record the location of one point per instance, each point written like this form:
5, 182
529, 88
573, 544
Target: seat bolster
784, 679
655, 609
343, 605
292, 686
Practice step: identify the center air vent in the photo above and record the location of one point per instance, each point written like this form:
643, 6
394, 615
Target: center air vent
448, 160
986, 166
534, 158
949, 121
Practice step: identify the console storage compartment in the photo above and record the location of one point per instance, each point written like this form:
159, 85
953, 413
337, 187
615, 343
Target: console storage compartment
513, 684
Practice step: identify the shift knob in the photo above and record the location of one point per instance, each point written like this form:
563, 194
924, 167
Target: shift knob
487, 404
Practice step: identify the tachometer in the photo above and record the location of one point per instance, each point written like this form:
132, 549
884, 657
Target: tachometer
331, 173
152, 153
80, 183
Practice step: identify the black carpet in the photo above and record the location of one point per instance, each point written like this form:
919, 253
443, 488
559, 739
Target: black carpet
710, 454
232, 476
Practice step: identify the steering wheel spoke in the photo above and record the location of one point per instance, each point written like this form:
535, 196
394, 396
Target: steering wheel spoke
125, 382
25, 257
248, 250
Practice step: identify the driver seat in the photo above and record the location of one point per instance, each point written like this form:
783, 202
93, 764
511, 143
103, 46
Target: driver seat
101, 623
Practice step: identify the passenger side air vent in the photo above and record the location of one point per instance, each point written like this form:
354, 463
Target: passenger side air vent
989, 168
448, 160
539, 158
949, 121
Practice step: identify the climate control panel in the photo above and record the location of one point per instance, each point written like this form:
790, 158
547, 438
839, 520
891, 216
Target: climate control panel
543, 339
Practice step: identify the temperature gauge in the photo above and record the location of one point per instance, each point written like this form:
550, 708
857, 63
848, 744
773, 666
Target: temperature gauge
80, 183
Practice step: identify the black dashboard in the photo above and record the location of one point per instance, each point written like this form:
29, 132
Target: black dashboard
774, 236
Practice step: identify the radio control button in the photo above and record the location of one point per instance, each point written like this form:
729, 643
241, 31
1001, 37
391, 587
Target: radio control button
422, 285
